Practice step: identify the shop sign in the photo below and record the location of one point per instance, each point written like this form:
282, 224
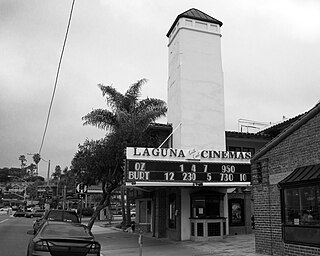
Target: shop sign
172, 154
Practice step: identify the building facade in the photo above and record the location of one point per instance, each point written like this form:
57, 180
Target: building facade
286, 190
196, 186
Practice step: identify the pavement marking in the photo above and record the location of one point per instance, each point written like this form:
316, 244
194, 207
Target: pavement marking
3, 221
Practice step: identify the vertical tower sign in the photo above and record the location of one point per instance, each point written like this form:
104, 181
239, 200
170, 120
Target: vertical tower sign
195, 84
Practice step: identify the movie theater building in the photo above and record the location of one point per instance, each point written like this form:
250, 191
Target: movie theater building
196, 184
286, 190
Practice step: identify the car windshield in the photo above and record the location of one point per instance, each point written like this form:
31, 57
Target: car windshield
62, 216
65, 230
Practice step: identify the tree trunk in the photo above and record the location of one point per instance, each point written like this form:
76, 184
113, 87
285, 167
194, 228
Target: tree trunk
128, 208
104, 202
123, 209
95, 214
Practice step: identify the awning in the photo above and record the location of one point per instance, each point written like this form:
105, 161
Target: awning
302, 175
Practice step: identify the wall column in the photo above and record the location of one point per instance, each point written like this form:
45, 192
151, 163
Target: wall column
185, 214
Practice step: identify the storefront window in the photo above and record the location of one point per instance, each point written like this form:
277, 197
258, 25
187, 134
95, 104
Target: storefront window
205, 206
301, 215
301, 206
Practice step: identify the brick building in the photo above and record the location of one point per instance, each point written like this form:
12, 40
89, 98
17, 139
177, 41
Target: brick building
286, 191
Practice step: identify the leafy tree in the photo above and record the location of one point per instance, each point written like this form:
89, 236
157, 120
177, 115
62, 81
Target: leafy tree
23, 160
31, 169
32, 189
57, 173
125, 122
99, 161
67, 178
36, 158
4, 175
38, 179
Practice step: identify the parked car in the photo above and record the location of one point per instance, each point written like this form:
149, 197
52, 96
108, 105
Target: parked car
6, 210
28, 212
15, 208
19, 213
63, 238
56, 215
36, 213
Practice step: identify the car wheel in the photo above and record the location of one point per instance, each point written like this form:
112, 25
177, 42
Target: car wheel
31, 216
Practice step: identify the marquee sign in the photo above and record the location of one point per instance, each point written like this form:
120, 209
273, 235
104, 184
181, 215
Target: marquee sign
171, 154
177, 167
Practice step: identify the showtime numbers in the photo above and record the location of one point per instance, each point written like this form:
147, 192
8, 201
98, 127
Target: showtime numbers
169, 175
227, 172
186, 176
187, 172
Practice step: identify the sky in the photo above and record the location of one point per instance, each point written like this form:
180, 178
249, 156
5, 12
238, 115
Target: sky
270, 58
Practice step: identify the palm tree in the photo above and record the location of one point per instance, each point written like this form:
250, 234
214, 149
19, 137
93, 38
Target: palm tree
128, 114
128, 117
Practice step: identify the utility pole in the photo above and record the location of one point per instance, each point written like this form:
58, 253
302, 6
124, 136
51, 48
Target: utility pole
48, 173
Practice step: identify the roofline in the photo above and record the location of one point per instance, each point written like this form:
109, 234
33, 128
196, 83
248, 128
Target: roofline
235, 134
183, 15
295, 126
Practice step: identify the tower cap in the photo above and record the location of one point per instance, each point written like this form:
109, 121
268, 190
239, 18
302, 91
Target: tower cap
195, 14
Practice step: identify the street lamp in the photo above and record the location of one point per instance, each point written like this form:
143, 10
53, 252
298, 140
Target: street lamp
25, 186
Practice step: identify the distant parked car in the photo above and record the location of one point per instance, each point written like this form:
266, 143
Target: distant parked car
15, 208
56, 215
63, 238
5, 211
36, 213
28, 212
19, 213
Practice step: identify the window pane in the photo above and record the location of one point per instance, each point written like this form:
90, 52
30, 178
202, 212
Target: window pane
142, 212
212, 208
148, 211
302, 206
310, 210
198, 208
292, 206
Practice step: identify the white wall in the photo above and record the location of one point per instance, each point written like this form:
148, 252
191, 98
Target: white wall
185, 214
195, 89
195, 94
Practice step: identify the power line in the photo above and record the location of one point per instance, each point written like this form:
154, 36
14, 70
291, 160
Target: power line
57, 76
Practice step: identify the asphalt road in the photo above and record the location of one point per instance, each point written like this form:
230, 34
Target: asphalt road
13, 235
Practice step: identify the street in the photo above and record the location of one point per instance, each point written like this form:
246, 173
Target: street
14, 241
13, 235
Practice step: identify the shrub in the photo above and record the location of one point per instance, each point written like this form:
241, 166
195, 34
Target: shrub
87, 211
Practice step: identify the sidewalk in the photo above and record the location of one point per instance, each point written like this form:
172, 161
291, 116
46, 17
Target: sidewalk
114, 241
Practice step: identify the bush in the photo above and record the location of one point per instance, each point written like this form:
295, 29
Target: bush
88, 211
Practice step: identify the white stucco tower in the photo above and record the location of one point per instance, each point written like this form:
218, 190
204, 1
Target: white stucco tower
195, 84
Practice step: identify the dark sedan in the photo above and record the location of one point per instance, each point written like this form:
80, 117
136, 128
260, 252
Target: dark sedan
56, 215
36, 213
63, 238
19, 213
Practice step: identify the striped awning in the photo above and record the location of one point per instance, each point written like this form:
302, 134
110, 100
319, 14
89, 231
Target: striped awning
305, 174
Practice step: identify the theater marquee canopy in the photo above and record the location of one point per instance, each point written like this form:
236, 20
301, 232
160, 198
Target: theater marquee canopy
186, 167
